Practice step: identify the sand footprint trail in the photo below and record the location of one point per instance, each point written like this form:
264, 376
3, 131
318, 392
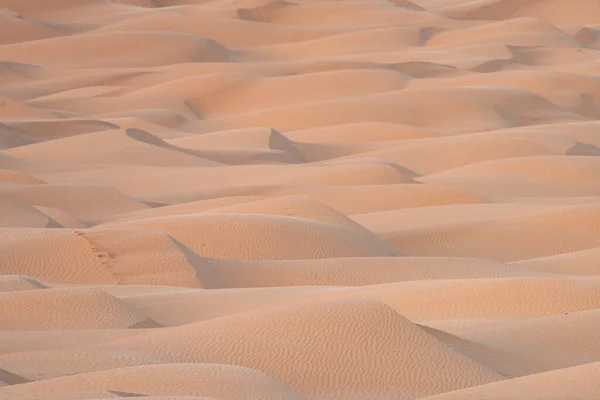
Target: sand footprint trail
299, 200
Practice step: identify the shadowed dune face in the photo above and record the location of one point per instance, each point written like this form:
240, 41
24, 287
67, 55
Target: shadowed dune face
299, 199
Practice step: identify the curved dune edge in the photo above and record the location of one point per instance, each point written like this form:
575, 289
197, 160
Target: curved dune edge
299, 199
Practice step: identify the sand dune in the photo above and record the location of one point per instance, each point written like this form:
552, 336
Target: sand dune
565, 341
31, 341
580, 382
220, 381
299, 199
48, 129
265, 237
461, 110
17, 214
351, 321
541, 177
119, 49
360, 132
77, 200
193, 20
462, 150
443, 214
129, 146
293, 206
9, 283
508, 239
53, 309
17, 29
105, 256
504, 298
575, 263
360, 271
10, 138
551, 11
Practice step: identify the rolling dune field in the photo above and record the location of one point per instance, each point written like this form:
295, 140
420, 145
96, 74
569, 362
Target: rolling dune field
300, 199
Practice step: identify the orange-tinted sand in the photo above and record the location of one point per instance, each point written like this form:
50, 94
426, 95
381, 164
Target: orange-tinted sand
300, 199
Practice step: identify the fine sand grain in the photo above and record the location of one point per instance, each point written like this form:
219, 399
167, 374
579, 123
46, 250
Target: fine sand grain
299, 199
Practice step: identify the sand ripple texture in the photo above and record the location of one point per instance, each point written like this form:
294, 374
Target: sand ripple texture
300, 199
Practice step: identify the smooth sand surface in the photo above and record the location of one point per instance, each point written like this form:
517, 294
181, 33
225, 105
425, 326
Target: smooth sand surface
299, 199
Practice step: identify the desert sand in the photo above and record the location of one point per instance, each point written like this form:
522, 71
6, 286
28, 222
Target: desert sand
300, 199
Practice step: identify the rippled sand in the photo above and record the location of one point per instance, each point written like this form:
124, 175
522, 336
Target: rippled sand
300, 200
